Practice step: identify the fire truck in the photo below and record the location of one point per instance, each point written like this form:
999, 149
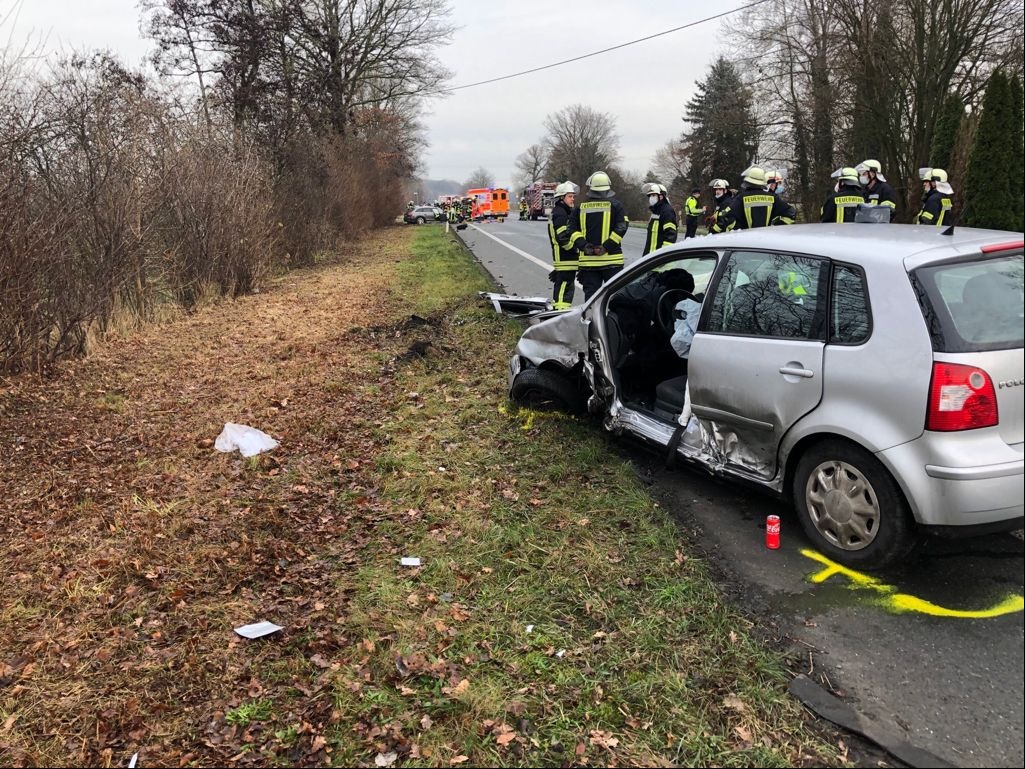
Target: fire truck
490, 202
540, 197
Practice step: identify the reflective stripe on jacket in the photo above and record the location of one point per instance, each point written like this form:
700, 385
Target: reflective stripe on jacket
935, 209
881, 194
602, 224
561, 228
661, 227
841, 206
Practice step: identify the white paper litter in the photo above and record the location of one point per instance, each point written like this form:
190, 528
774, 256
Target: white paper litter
530, 628
258, 629
131, 763
248, 440
410, 561
561, 653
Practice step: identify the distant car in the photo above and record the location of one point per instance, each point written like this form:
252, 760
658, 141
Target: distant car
872, 374
423, 214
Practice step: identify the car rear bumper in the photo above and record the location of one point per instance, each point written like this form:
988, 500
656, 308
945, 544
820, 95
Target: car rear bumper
944, 493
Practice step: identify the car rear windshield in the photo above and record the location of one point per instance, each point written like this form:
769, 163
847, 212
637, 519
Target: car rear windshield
974, 305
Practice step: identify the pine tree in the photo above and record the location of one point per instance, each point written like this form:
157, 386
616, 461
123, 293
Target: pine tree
947, 128
990, 189
723, 138
1017, 144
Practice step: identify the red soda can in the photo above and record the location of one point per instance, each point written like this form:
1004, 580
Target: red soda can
772, 532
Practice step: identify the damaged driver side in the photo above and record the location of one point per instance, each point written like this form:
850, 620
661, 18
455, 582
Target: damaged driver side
648, 325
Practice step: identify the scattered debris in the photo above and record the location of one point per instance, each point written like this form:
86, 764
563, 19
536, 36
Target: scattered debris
530, 628
408, 561
132, 760
385, 759
258, 629
561, 653
247, 440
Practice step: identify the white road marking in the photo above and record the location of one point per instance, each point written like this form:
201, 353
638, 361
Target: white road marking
543, 265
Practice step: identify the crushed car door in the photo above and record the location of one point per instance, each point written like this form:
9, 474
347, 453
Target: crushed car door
756, 359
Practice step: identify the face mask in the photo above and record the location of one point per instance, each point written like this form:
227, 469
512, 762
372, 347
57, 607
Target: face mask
652, 200
720, 193
863, 178
779, 188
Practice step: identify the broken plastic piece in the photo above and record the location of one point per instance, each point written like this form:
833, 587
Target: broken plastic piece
406, 561
258, 629
132, 760
248, 440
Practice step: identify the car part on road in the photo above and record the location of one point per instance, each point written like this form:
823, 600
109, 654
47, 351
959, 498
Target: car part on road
850, 506
540, 389
824, 704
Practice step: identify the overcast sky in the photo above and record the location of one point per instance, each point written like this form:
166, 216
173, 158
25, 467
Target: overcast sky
643, 86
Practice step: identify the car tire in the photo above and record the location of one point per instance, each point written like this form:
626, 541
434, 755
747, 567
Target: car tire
541, 389
837, 482
420, 220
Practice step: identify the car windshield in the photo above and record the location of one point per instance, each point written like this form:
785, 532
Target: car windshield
974, 305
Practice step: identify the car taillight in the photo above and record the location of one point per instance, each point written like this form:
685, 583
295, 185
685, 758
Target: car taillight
960, 398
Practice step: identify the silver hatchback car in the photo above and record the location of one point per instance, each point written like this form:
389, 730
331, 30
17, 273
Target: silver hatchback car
871, 373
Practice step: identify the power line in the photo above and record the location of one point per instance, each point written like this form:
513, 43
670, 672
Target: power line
606, 50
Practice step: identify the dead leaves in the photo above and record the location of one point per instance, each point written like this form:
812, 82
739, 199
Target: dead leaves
603, 739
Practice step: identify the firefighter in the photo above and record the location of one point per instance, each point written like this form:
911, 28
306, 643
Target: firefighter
693, 211
936, 199
562, 231
602, 223
662, 223
753, 205
720, 200
774, 183
523, 209
877, 190
842, 204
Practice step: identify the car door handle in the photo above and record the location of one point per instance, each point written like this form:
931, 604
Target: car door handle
796, 371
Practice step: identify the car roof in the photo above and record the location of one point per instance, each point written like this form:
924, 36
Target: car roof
865, 244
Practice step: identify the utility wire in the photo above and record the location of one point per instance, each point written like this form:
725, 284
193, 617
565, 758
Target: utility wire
605, 50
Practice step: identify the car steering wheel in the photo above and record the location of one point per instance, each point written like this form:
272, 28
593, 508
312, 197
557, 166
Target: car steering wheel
664, 309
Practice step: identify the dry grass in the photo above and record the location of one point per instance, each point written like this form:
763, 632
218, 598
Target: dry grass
132, 549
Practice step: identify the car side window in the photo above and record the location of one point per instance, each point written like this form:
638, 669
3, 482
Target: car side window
773, 295
850, 319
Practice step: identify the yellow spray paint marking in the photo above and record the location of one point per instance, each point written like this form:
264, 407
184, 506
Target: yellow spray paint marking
531, 416
900, 603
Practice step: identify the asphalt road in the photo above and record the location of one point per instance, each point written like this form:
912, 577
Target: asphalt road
934, 673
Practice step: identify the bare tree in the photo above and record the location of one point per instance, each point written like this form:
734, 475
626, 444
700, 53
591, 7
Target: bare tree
480, 178
854, 78
580, 140
531, 165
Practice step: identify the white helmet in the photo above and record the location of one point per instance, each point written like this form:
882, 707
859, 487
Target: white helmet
719, 184
650, 188
755, 175
566, 188
871, 165
599, 181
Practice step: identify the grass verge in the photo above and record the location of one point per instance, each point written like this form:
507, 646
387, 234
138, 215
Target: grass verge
554, 619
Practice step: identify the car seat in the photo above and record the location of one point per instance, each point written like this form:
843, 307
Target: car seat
669, 397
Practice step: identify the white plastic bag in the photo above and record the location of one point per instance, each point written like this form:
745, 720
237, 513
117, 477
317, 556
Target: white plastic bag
246, 439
